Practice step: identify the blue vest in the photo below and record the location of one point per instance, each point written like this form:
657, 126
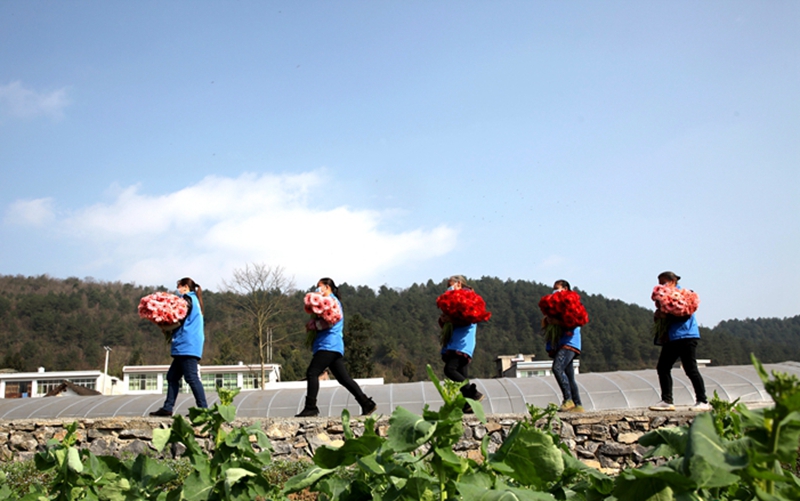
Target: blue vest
189, 338
332, 338
463, 340
684, 329
569, 338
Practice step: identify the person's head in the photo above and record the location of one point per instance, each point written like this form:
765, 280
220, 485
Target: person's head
457, 282
668, 278
186, 285
327, 287
562, 285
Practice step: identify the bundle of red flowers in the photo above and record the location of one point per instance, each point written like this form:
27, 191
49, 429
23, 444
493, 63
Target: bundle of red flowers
566, 307
324, 311
460, 307
672, 301
165, 310
564, 310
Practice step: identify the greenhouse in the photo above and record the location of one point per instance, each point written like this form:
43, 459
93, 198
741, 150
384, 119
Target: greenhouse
601, 391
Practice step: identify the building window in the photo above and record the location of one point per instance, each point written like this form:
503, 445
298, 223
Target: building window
42, 387
251, 381
86, 383
213, 381
143, 382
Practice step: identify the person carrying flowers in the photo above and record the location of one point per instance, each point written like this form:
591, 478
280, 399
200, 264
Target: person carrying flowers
462, 309
563, 317
328, 347
186, 349
675, 309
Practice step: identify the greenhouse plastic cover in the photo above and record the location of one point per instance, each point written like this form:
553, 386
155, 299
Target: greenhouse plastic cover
600, 391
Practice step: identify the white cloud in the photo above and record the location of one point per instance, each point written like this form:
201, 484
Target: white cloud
30, 212
208, 229
26, 103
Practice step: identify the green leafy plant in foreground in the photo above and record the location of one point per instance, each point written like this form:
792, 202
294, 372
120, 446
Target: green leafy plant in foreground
733, 453
234, 469
416, 459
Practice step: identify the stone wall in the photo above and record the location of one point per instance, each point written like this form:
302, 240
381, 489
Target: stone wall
605, 440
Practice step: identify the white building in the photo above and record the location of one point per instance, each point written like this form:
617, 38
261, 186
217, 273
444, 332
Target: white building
37, 384
143, 379
526, 366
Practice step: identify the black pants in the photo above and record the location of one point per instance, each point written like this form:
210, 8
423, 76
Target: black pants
456, 369
335, 361
686, 350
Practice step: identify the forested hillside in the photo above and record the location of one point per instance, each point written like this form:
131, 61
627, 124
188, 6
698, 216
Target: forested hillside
64, 324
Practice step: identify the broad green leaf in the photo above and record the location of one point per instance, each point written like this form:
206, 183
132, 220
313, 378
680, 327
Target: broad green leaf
197, 486
371, 465
669, 475
788, 438
419, 489
666, 442
233, 475
707, 461
471, 492
160, 438
448, 456
333, 457
305, 479
74, 460
765, 496
407, 431
228, 412
151, 473
529, 456
643, 489
477, 408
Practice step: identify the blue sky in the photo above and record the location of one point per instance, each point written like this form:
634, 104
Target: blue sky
386, 143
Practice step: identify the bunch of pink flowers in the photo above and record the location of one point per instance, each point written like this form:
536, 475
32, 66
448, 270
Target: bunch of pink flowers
324, 307
675, 301
324, 311
163, 309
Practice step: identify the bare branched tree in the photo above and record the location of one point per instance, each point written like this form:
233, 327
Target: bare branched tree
261, 292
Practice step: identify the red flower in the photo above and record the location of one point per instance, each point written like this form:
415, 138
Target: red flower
463, 307
564, 306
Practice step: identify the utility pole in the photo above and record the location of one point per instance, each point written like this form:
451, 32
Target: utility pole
105, 379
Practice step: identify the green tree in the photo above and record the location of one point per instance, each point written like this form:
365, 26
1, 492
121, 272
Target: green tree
358, 337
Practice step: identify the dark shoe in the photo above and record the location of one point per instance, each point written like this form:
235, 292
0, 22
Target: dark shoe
468, 409
368, 407
478, 396
308, 412
161, 413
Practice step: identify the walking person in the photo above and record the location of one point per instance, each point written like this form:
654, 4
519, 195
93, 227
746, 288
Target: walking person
458, 349
564, 352
328, 350
681, 343
186, 350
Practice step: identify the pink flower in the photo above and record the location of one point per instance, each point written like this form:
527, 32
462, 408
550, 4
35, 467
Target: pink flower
163, 308
674, 301
324, 308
